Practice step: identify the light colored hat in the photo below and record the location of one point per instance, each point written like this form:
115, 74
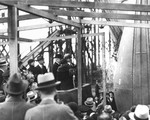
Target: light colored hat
108, 109
3, 62
32, 95
46, 80
89, 102
141, 113
67, 56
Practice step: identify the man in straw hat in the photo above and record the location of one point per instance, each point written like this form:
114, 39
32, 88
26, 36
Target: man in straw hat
14, 107
48, 109
141, 113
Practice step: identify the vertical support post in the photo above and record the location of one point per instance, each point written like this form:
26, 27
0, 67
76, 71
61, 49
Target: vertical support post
12, 33
79, 67
18, 34
50, 51
104, 67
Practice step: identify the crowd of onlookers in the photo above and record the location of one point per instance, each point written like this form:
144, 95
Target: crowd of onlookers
22, 105
31, 96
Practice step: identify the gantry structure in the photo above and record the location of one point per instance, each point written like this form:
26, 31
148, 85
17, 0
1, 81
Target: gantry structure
68, 20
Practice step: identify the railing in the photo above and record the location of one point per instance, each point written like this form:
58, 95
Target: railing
34, 53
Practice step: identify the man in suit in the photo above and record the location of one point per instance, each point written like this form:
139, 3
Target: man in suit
14, 107
31, 68
40, 68
48, 109
56, 64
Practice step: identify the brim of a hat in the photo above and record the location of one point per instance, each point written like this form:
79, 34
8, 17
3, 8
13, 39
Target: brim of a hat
89, 105
36, 95
24, 88
5, 64
47, 86
131, 116
109, 112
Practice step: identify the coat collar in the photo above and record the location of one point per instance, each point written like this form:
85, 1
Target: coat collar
14, 99
47, 101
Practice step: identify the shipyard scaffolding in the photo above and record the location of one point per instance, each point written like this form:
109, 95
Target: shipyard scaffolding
78, 27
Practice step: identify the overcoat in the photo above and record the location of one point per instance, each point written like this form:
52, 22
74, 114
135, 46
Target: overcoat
14, 109
50, 110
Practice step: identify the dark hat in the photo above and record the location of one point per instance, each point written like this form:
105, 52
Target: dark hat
30, 61
3, 62
108, 109
58, 56
67, 56
15, 85
46, 80
40, 58
73, 106
89, 102
83, 108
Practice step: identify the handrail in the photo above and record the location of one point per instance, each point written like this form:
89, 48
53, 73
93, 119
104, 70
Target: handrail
37, 49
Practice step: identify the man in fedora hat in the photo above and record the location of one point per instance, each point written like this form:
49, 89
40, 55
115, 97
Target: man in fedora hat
14, 107
56, 64
40, 68
89, 103
48, 109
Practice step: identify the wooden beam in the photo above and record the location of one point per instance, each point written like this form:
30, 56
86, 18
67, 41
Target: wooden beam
12, 33
40, 26
105, 23
122, 24
19, 39
66, 37
21, 17
42, 14
90, 5
86, 14
79, 66
101, 15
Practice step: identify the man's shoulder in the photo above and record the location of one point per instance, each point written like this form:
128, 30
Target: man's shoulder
34, 109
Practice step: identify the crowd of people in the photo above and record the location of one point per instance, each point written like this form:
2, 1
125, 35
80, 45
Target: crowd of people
34, 96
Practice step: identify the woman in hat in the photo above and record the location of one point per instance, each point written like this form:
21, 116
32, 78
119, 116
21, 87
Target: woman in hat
64, 73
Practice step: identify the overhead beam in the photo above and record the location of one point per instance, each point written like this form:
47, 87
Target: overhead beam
21, 17
91, 5
86, 14
41, 13
121, 24
19, 39
66, 37
107, 23
33, 27
101, 15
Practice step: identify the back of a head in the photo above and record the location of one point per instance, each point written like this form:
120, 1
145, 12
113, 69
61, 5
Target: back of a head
104, 116
73, 106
